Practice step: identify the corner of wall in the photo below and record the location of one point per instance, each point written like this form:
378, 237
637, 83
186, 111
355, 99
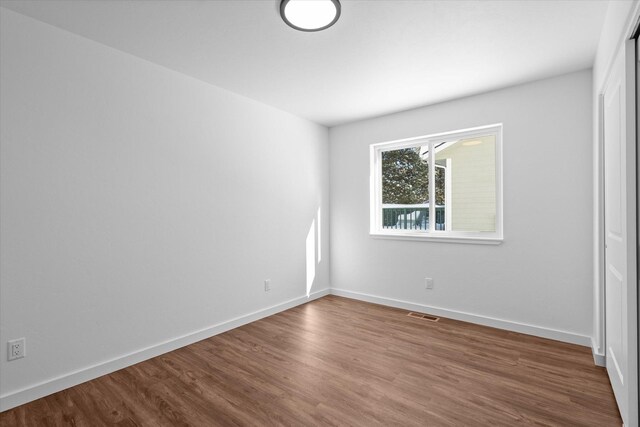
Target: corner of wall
598, 358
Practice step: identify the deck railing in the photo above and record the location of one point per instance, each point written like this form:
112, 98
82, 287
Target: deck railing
411, 217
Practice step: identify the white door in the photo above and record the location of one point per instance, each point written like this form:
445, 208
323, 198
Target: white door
620, 233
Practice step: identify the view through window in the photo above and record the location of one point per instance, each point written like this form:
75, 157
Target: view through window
461, 170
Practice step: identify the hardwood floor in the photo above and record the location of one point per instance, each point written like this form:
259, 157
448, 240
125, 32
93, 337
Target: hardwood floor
337, 361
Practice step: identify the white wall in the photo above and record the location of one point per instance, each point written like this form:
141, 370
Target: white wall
541, 276
620, 17
138, 204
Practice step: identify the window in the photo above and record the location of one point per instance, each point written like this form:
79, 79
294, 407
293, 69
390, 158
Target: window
454, 178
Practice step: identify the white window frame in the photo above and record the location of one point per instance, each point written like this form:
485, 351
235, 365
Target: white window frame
375, 188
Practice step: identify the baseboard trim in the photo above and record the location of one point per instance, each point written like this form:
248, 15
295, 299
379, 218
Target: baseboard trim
45, 388
598, 358
508, 325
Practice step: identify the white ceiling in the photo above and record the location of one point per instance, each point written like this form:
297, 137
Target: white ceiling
381, 56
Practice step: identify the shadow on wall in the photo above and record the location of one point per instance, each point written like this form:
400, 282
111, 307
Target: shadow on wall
315, 231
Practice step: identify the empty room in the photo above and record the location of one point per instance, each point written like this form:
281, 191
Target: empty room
319, 212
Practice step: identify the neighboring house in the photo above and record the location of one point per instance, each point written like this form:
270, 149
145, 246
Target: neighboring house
470, 200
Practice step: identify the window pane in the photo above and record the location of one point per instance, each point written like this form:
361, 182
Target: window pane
405, 188
468, 190
441, 189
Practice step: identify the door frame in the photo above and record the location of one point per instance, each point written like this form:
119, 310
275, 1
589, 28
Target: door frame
625, 74
599, 340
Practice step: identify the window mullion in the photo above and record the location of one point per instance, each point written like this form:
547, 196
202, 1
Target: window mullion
432, 187
376, 190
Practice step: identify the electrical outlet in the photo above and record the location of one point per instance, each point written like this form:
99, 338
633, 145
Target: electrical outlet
16, 349
428, 282
267, 285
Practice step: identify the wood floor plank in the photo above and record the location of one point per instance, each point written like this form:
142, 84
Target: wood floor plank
336, 362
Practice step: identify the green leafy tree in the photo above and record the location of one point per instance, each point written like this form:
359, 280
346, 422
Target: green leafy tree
440, 174
405, 177
405, 180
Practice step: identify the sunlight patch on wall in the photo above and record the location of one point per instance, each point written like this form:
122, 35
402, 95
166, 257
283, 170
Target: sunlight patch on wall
319, 222
311, 256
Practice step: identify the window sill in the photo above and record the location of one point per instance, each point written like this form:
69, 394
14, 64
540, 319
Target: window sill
441, 239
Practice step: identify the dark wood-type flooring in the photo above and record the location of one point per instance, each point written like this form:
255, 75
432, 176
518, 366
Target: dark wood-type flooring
336, 361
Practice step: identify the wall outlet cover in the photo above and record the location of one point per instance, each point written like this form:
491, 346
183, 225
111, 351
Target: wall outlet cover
16, 349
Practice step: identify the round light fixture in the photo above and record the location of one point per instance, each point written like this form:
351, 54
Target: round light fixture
310, 15
470, 143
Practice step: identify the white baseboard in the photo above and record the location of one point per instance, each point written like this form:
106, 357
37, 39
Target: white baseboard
508, 325
45, 388
598, 358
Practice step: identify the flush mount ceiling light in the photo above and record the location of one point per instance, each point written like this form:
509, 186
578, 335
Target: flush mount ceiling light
310, 15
